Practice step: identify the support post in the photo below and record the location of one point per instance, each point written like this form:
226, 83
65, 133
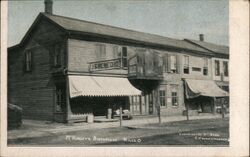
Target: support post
120, 115
140, 97
187, 111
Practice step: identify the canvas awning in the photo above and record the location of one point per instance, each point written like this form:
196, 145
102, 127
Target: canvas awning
100, 86
195, 88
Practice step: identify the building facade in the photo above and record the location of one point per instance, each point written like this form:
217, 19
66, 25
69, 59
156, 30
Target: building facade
65, 69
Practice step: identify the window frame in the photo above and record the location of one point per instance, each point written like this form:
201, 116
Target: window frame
57, 60
173, 64
124, 57
186, 65
100, 51
162, 98
174, 89
217, 67
205, 67
28, 61
225, 73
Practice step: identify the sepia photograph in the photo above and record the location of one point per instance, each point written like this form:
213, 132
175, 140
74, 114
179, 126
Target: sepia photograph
126, 73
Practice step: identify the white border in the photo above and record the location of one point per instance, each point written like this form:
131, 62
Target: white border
239, 103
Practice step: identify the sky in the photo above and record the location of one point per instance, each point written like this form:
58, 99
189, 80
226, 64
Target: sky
177, 19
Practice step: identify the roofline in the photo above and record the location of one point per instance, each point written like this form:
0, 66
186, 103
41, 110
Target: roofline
38, 18
190, 41
135, 42
111, 26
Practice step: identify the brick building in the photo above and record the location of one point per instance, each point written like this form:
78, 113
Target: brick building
65, 69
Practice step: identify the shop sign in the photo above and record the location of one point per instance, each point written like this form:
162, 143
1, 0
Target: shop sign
105, 65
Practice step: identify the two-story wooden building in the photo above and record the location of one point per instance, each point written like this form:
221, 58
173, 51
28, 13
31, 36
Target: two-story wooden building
65, 69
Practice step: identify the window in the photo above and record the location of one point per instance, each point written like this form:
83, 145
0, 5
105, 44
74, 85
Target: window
116, 52
205, 67
100, 51
173, 64
162, 97
57, 55
196, 69
124, 57
59, 100
225, 68
186, 64
217, 67
28, 61
174, 95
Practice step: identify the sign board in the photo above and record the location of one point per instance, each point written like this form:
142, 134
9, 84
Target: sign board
105, 65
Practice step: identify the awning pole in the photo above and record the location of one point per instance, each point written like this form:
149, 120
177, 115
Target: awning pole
120, 115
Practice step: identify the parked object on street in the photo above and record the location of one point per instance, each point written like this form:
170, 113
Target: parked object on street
126, 114
14, 116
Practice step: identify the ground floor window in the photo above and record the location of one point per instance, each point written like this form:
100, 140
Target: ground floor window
162, 98
174, 95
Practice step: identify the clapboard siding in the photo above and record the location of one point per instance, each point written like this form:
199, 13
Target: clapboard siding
34, 91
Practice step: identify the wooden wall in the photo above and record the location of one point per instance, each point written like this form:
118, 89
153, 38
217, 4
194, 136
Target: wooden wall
34, 90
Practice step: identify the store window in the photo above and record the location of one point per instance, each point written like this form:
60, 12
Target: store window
186, 64
100, 52
225, 68
174, 95
58, 100
28, 61
205, 67
162, 98
217, 67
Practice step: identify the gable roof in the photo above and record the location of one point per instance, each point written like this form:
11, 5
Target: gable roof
68, 24
72, 24
221, 49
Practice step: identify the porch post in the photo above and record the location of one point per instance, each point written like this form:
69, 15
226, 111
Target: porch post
140, 97
68, 111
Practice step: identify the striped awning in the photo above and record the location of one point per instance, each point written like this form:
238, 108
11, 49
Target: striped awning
100, 86
195, 88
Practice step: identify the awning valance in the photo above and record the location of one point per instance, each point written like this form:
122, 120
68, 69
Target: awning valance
100, 86
195, 88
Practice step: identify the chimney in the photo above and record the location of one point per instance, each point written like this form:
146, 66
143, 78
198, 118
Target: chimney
48, 6
201, 37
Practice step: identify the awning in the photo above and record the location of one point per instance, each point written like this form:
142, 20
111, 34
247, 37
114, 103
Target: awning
195, 88
100, 86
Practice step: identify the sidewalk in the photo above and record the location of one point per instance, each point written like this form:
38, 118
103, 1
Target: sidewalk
32, 128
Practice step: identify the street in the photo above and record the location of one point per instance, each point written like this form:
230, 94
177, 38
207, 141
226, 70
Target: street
212, 132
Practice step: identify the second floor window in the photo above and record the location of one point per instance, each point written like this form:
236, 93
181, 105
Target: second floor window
205, 67
217, 67
28, 61
162, 97
225, 68
124, 57
57, 55
100, 52
186, 64
173, 64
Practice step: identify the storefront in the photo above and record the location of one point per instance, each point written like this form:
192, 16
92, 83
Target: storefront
201, 96
98, 96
